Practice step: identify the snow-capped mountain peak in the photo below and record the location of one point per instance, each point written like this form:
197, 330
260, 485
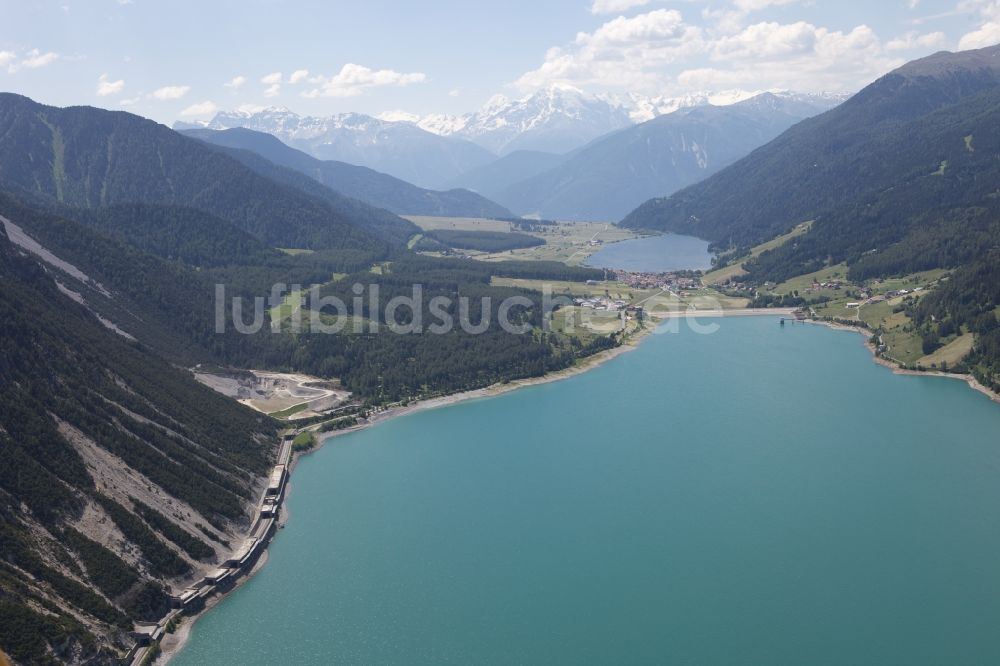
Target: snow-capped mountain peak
560, 118
555, 119
393, 144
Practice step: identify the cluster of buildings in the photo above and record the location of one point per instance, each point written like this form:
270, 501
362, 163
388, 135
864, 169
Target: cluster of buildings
869, 298
903, 292
738, 287
601, 303
647, 280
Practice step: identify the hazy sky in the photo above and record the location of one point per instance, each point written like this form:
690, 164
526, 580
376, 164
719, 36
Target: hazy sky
180, 58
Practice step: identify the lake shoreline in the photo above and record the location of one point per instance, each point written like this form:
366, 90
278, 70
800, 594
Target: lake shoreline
897, 369
583, 366
656, 253
778, 345
174, 643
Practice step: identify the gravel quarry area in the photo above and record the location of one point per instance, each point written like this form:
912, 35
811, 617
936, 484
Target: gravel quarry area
271, 392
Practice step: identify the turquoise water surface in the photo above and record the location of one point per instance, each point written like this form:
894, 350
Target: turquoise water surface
762, 495
654, 254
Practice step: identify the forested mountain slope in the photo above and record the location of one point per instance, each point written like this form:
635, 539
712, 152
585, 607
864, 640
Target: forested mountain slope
362, 183
902, 178
833, 159
88, 158
121, 474
170, 305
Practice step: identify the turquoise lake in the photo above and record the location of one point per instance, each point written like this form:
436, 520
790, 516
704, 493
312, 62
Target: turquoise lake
762, 495
654, 254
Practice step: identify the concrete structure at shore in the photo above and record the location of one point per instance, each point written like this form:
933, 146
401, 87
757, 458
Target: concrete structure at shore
238, 564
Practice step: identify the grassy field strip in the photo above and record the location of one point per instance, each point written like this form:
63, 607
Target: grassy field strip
566, 242
288, 307
904, 344
429, 223
285, 413
951, 354
724, 274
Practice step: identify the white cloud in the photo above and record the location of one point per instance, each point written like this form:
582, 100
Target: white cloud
659, 53
732, 19
38, 59
767, 40
206, 108
352, 80
236, 82
987, 35
820, 73
298, 76
273, 83
758, 5
988, 9
131, 101
611, 6
914, 40
455, 92
799, 56
106, 87
622, 52
33, 59
170, 92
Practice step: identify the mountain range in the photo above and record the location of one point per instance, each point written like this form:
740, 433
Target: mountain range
560, 118
609, 177
400, 149
894, 134
88, 158
123, 479
556, 119
122, 475
361, 183
903, 177
558, 129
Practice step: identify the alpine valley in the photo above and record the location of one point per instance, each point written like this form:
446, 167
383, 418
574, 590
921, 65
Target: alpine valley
556, 153
188, 311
